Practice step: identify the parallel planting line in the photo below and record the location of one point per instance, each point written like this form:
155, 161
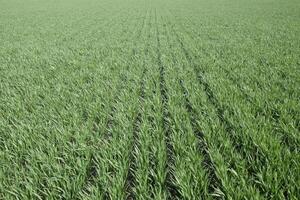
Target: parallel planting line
91, 170
91, 167
130, 179
130, 176
171, 187
238, 142
257, 154
215, 182
152, 159
203, 147
120, 87
291, 142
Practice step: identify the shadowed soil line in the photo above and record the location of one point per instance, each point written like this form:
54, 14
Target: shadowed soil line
215, 182
207, 163
289, 141
237, 141
130, 179
91, 169
153, 160
130, 176
170, 179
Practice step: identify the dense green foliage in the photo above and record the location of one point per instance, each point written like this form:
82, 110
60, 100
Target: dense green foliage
138, 99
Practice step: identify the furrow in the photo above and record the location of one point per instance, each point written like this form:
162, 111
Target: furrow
273, 115
130, 179
238, 143
207, 163
170, 186
203, 147
91, 171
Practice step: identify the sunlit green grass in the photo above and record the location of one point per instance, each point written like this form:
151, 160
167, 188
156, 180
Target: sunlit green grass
147, 99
